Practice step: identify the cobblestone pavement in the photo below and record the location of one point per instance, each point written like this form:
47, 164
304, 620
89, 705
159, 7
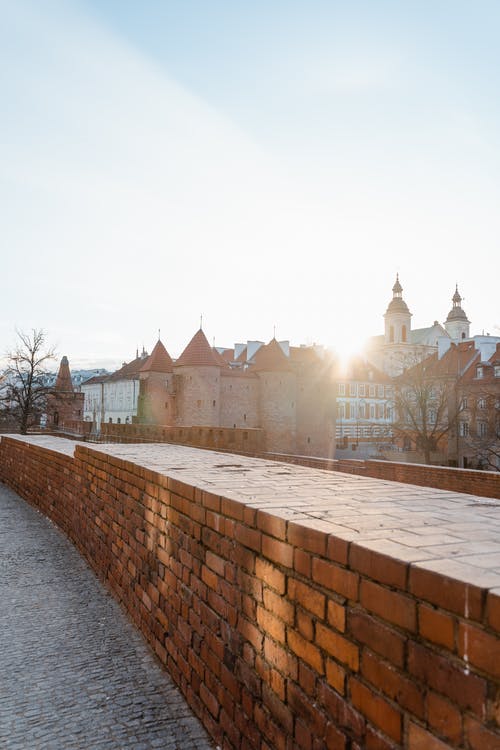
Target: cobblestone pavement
74, 673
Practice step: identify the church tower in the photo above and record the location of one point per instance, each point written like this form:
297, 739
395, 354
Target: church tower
457, 325
397, 317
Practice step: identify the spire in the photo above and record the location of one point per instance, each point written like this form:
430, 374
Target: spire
198, 352
397, 289
456, 299
63, 382
159, 360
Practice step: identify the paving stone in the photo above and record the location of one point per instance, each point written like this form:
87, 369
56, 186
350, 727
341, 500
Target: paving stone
74, 672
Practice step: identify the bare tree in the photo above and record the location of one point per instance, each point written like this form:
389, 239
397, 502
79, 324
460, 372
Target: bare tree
426, 407
482, 443
24, 387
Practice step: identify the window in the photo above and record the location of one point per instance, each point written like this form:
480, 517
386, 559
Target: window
391, 334
481, 403
463, 403
342, 411
479, 371
403, 333
496, 370
341, 389
380, 391
352, 389
361, 389
119, 421
464, 429
372, 390
372, 411
362, 411
432, 417
482, 429
213, 402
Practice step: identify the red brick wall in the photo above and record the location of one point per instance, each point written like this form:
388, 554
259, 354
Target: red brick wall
281, 637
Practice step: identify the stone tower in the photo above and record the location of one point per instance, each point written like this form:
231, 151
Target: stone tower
63, 404
197, 384
156, 403
277, 397
457, 325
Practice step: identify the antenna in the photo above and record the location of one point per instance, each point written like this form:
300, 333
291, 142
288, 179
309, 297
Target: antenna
201, 321
159, 334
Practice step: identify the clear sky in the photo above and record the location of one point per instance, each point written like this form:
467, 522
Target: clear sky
265, 163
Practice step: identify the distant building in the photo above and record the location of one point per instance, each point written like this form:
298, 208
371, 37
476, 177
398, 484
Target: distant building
400, 346
285, 391
64, 404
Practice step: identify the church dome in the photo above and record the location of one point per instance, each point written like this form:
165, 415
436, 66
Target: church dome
397, 303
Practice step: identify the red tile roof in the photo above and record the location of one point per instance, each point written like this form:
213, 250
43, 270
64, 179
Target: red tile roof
129, 371
198, 352
158, 361
271, 358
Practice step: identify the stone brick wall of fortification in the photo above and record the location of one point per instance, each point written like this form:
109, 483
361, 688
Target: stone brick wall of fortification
281, 637
197, 395
156, 403
239, 399
278, 410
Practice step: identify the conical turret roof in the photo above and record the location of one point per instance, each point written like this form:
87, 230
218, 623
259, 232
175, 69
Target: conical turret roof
271, 358
159, 360
63, 382
197, 353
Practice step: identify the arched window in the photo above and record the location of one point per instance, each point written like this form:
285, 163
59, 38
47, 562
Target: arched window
403, 333
391, 334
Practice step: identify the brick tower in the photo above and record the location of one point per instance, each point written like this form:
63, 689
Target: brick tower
63, 403
197, 384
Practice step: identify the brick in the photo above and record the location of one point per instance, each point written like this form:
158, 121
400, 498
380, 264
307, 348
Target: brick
251, 538
337, 550
376, 741
446, 593
393, 683
336, 615
467, 691
271, 524
378, 637
381, 568
302, 562
305, 625
277, 551
270, 575
337, 646
335, 578
436, 626
308, 597
341, 711
420, 739
479, 648
480, 737
310, 539
271, 624
493, 609
335, 675
389, 605
334, 739
305, 650
279, 606
280, 658
309, 712
376, 709
444, 718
